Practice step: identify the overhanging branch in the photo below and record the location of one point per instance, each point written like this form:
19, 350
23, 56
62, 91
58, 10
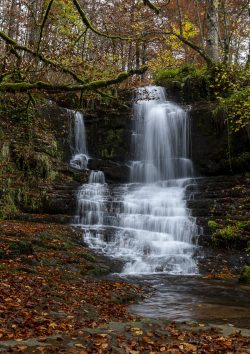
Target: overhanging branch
94, 85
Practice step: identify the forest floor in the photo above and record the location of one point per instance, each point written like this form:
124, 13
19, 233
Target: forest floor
53, 300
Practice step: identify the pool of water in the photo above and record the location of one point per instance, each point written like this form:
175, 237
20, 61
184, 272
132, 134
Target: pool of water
193, 298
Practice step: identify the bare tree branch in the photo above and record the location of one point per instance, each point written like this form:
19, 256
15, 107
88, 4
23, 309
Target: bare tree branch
151, 6
43, 24
193, 46
45, 60
89, 25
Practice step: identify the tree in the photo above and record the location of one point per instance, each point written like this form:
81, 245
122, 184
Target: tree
43, 58
83, 44
213, 30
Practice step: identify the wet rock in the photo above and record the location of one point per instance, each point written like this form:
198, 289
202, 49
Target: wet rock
114, 171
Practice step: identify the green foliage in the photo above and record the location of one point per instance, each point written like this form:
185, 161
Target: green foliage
171, 73
229, 232
223, 80
191, 82
44, 167
245, 275
179, 73
230, 236
212, 224
7, 205
236, 108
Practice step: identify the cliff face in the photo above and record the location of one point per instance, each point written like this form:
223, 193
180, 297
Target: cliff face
34, 155
35, 151
215, 150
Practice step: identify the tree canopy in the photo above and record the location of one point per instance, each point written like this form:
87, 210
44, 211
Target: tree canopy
79, 45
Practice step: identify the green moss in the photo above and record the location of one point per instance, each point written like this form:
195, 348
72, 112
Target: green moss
94, 269
179, 74
245, 275
230, 236
5, 152
212, 224
44, 166
7, 205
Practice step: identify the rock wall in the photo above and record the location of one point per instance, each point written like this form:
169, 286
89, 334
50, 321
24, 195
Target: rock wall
34, 154
108, 130
215, 150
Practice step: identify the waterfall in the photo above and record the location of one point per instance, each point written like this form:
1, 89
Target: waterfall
79, 158
160, 138
90, 206
146, 222
97, 177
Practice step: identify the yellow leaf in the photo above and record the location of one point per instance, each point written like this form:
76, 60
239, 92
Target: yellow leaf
138, 333
53, 325
79, 345
148, 340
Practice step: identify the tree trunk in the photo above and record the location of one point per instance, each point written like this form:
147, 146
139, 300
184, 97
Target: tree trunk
213, 30
13, 20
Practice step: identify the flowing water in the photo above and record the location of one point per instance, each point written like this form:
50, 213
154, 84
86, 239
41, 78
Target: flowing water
79, 159
194, 298
146, 223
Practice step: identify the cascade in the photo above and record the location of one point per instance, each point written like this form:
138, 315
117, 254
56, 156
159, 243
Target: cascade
146, 222
89, 197
79, 158
97, 177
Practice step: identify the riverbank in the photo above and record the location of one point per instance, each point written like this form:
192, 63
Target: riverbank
53, 300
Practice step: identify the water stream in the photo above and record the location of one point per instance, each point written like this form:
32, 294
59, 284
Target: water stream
146, 223
79, 158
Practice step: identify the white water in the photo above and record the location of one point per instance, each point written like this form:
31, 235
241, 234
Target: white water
97, 177
146, 223
80, 157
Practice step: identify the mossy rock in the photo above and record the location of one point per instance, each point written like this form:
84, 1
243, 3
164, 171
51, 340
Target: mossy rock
245, 275
95, 269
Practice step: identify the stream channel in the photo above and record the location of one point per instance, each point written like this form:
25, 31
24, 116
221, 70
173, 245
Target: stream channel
146, 225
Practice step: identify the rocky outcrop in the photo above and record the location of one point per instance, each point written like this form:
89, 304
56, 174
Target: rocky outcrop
114, 171
216, 151
108, 129
222, 208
